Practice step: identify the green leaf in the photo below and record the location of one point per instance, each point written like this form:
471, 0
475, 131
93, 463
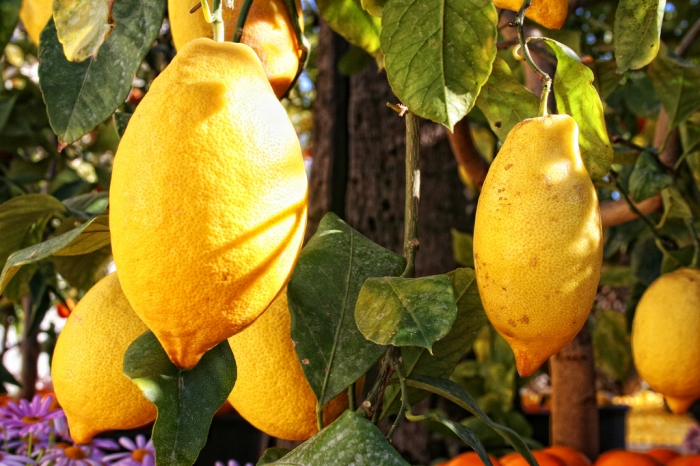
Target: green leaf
9, 17
461, 432
80, 96
186, 399
611, 344
575, 95
605, 77
6, 377
347, 18
121, 119
6, 106
647, 178
463, 248
448, 350
322, 294
87, 206
351, 439
82, 26
86, 238
504, 101
354, 61
677, 84
637, 32
438, 54
374, 7
84, 270
271, 455
455, 393
675, 206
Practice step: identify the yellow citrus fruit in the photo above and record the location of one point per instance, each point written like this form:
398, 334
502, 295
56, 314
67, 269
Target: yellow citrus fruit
271, 390
207, 200
34, 15
538, 240
87, 364
666, 337
549, 13
268, 30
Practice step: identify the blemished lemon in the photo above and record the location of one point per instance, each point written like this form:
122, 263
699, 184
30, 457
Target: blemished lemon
268, 30
666, 337
271, 390
34, 15
207, 199
538, 240
86, 368
549, 13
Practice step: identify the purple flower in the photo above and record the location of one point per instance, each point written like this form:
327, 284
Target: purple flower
231, 463
691, 442
140, 453
64, 454
13, 460
30, 418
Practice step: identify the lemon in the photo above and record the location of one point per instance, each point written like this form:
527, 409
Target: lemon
538, 240
34, 15
268, 30
207, 199
86, 369
271, 390
549, 13
666, 337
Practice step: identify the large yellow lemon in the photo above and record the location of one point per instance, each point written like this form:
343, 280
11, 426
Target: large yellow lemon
538, 240
34, 15
207, 200
87, 364
666, 337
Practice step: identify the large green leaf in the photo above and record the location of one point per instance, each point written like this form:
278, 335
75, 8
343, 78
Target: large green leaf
406, 311
86, 238
605, 77
84, 270
351, 439
271, 455
675, 206
186, 399
438, 54
504, 101
82, 26
575, 95
322, 294
87, 206
647, 178
448, 350
677, 83
637, 32
347, 18
9, 17
80, 96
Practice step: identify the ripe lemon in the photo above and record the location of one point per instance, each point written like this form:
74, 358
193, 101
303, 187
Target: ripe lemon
538, 240
207, 200
666, 337
34, 15
549, 13
87, 364
268, 30
271, 390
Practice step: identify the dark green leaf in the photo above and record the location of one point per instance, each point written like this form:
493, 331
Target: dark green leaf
351, 439
354, 61
186, 399
677, 83
406, 311
121, 119
87, 206
675, 206
9, 17
322, 294
462, 432
80, 96
438, 54
637, 32
606, 79
463, 248
84, 270
41, 301
7, 104
458, 395
611, 344
271, 455
357, 26
575, 95
82, 26
505, 101
88, 237
647, 178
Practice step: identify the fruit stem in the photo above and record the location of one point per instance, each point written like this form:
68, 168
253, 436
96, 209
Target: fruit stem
405, 407
242, 16
217, 21
519, 22
302, 43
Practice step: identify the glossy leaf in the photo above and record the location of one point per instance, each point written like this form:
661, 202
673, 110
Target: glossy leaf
351, 439
186, 399
462, 432
9, 17
448, 350
455, 393
575, 95
438, 54
271, 455
504, 101
88, 237
350, 20
677, 83
322, 294
647, 178
637, 32
82, 26
406, 311
80, 96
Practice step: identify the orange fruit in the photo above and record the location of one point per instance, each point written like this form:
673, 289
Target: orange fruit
663, 454
470, 458
685, 460
570, 456
549, 13
626, 458
510, 457
543, 459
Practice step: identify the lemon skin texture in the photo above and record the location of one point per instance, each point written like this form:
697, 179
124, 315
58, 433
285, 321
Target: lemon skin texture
86, 368
538, 240
666, 337
549, 13
207, 200
34, 15
271, 390
268, 30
